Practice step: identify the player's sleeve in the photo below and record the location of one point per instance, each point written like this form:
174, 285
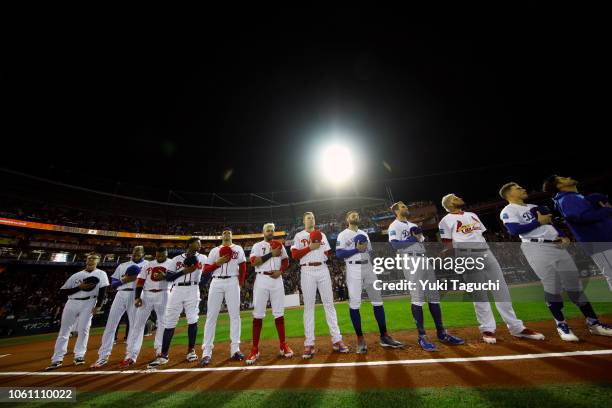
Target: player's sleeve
324, 243
68, 284
369, 243
144, 271
212, 256
296, 242
284, 254
484, 228
341, 241
579, 210
103, 280
509, 216
241, 256
446, 231
117, 273
394, 234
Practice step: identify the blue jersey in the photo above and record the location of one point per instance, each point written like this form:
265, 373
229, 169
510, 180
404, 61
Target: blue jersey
588, 222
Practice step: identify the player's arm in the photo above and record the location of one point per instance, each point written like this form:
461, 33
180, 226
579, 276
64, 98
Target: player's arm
242, 272
579, 210
70, 291
342, 251
400, 244
100, 299
298, 254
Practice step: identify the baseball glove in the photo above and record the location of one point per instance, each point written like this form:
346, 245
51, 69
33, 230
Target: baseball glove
190, 261
132, 270
360, 238
316, 236
416, 231
158, 273
92, 280
542, 209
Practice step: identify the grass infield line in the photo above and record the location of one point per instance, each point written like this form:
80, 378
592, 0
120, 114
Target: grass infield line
322, 365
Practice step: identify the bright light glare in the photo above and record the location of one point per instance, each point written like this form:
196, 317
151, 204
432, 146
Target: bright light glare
337, 164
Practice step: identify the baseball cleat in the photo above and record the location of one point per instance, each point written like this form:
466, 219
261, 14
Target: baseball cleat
126, 363
489, 337
79, 360
309, 352
340, 347
237, 356
388, 341
600, 328
285, 351
252, 357
205, 361
566, 333
529, 334
191, 356
426, 344
98, 364
450, 339
159, 361
54, 365
362, 347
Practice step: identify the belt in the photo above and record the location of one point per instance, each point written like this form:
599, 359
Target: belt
362, 262
472, 249
126, 290
265, 273
548, 241
223, 277
187, 283
312, 264
155, 290
85, 298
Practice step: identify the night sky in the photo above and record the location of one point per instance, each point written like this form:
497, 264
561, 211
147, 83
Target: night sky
448, 108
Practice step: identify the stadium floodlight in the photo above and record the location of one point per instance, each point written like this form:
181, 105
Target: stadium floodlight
337, 164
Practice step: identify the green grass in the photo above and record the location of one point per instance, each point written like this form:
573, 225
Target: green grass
527, 305
455, 314
591, 395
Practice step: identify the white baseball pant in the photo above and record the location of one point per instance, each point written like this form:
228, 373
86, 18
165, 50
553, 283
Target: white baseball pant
77, 314
218, 290
123, 303
359, 277
150, 301
554, 266
182, 298
484, 314
603, 260
266, 288
311, 279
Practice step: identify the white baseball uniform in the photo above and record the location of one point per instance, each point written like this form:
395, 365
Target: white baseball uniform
77, 313
465, 230
154, 297
123, 303
359, 272
552, 264
400, 230
315, 275
224, 285
265, 287
184, 292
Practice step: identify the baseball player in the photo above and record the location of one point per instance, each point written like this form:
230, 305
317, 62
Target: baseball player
310, 247
122, 280
354, 246
151, 294
270, 259
183, 275
462, 231
588, 217
406, 238
227, 264
544, 248
86, 291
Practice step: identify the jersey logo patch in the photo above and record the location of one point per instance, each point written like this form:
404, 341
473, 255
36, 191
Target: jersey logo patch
505, 216
392, 233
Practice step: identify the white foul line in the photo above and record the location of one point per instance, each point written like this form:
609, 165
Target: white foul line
319, 365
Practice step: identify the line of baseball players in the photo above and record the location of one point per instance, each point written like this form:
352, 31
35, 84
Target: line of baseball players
171, 286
